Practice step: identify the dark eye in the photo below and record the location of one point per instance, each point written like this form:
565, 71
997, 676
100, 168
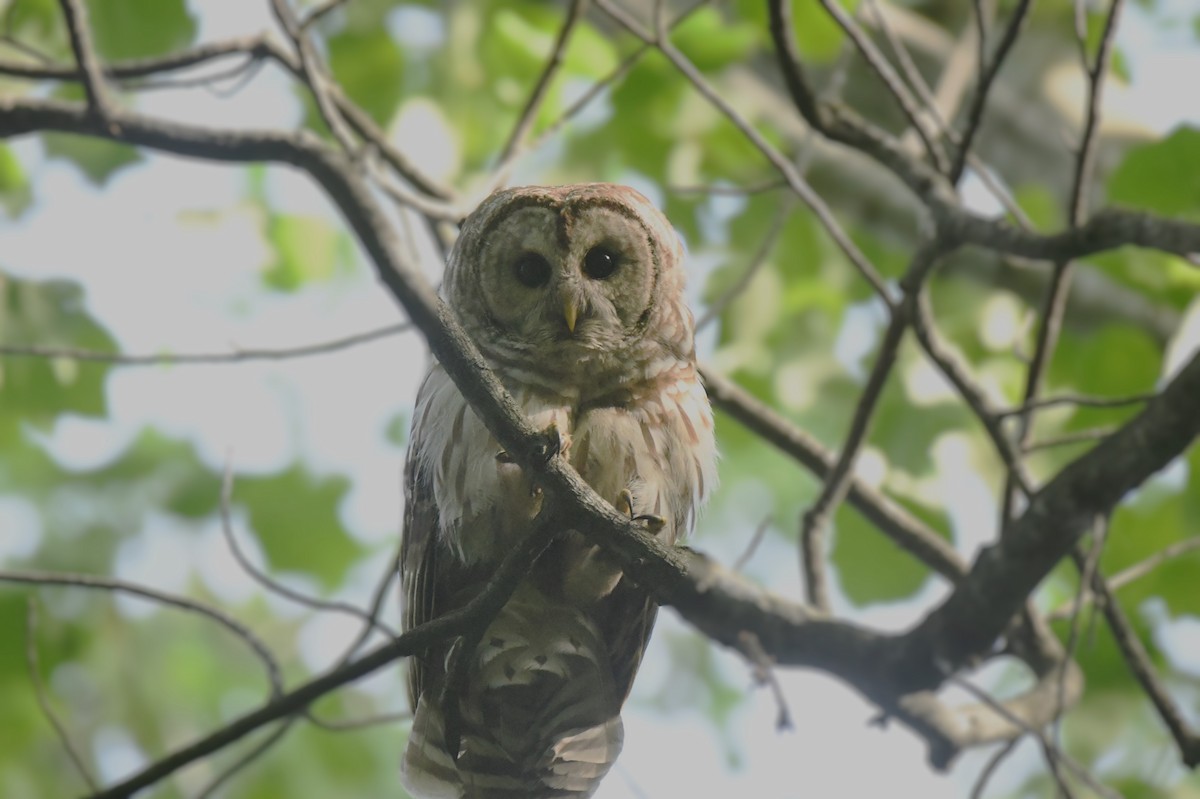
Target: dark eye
532, 270
599, 263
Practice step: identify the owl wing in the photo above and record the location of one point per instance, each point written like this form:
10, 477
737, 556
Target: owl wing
418, 564
627, 621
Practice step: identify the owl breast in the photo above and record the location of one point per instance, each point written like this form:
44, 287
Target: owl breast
649, 445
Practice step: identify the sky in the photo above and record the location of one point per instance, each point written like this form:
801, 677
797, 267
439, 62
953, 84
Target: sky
170, 257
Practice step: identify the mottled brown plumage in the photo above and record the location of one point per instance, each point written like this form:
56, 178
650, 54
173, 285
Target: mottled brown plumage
574, 294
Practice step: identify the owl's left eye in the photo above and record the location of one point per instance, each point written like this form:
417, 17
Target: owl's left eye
599, 263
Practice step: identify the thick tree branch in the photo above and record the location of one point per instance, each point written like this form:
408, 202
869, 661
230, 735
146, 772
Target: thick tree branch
1005, 573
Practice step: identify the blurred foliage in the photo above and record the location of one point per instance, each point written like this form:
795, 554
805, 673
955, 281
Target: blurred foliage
800, 337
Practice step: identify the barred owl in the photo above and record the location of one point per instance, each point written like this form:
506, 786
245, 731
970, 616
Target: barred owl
574, 295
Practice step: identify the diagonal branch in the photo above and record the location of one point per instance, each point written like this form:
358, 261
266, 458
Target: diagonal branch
76, 15
1005, 573
816, 517
987, 77
39, 691
92, 582
1054, 304
887, 75
169, 358
524, 124
1138, 660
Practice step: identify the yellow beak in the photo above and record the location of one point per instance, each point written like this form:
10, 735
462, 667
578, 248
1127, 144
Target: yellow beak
570, 314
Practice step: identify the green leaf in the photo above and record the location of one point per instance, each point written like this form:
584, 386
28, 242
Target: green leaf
307, 249
37, 23
1040, 205
295, 516
370, 67
710, 41
1162, 176
1115, 360
140, 28
818, 35
97, 159
15, 192
871, 568
34, 389
397, 430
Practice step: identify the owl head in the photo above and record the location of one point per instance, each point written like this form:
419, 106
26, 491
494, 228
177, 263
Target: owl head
570, 280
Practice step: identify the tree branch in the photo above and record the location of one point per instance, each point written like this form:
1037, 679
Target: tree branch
76, 16
260, 650
1005, 573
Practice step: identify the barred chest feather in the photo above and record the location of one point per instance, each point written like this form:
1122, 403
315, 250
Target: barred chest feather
653, 439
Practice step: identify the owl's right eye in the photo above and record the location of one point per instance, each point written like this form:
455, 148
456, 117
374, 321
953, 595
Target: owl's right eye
532, 270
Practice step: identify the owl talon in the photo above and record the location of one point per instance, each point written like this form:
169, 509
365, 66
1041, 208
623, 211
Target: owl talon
654, 524
624, 502
554, 442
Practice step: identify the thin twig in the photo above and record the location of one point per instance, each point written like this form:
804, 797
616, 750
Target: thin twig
39, 691
363, 722
908, 532
239, 76
1130, 574
986, 78
1079, 437
891, 81
1143, 670
982, 21
96, 583
247, 758
316, 75
1081, 400
268, 582
25, 49
319, 12
524, 123
1087, 565
462, 653
730, 190
752, 545
1055, 757
989, 769
815, 518
917, 81
972, 394
757, 261
764, 674
1054, 306
99, 103
197, 358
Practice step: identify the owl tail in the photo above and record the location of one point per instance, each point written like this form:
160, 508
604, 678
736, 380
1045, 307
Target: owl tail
540, 716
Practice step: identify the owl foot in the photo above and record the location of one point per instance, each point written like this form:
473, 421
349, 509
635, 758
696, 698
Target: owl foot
554, 442
654, 524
